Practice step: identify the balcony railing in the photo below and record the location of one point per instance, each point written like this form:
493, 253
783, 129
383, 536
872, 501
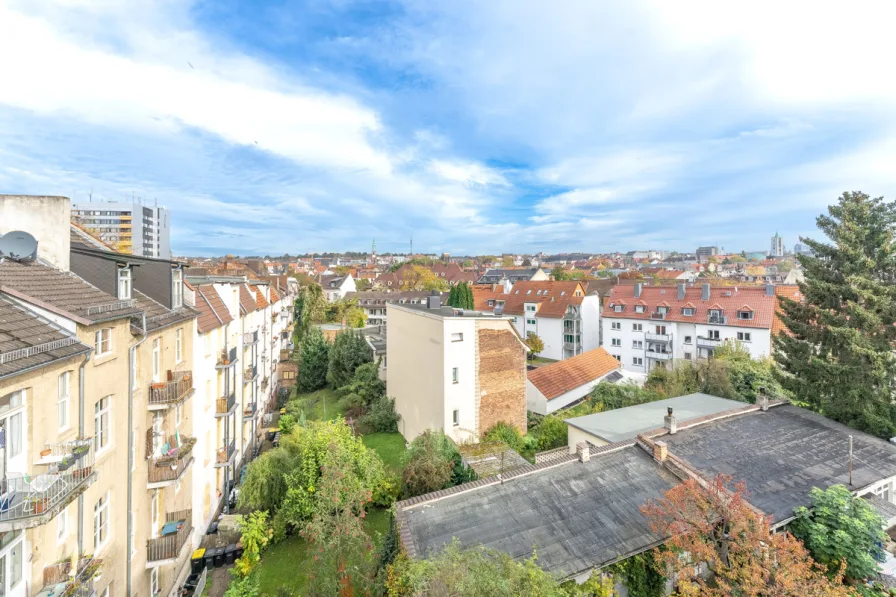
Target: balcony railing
175, 533
227, 358
178, 388
78, 583
264, 383
704, 342
658, 315
665, 338
717, 319
164, 470
224, 454
660, 356
571, 345
249, 411
250, 338
27, 501
250, 374
225, 404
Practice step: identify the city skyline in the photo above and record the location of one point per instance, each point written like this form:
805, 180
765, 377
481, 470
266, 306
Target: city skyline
504, 128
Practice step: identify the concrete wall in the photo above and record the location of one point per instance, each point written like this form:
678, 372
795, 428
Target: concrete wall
575, 435
47, 219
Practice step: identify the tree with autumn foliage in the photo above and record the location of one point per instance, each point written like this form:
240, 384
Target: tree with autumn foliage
713, 528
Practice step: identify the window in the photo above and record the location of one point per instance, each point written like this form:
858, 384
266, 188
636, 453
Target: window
530, 308
62, 525
615, 325
743, 336
713, 334
177, 289
637, 327
745, 315
637, 344
178, 413
63, 399
615, 342
156, 361
101, 424
15, 564
454, 375
637, 361
618, 308
124, 283
530, 321
292, 374
101, 522
687, 356
103, 341
179, 345
639, 308
457, 337
687, 339
687, 312
455, 417
617, 357
883, 492
154, 582
154, 514
14, 433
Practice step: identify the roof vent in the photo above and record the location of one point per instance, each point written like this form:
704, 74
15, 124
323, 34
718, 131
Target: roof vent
18, 246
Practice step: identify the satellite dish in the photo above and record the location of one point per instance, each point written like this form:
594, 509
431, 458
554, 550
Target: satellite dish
18, 245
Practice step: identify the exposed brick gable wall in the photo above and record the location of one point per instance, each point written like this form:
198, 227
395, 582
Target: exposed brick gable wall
501, 366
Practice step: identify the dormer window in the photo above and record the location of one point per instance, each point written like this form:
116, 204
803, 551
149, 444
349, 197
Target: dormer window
618, 308
177, 289
124, 283
528, 292
745, 315
688, 311
662, 310
639, 308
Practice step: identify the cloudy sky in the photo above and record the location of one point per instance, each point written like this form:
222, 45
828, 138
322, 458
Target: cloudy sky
475, 127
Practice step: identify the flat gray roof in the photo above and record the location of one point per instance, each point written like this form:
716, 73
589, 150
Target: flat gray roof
627, 423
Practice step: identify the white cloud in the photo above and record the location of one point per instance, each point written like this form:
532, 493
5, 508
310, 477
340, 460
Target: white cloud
469, 173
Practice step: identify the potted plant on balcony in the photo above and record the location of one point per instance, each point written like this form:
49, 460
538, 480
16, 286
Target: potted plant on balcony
158, 385
80, 450
67, 461
46, 452
82, 473
39, 505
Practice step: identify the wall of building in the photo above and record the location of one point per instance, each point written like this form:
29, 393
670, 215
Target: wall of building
460, 396
45, 218
590, 310
501, 365
550, 330
574, 435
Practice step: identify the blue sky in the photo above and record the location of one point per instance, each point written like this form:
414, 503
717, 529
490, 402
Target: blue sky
475, 127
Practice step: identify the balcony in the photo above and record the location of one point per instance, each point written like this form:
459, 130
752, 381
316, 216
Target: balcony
284, 313
574, 345
225, 454
658, 315
664, 338
224, 405
174, 535
250, 374
658, 355
264, 383
717, 319
249, 411
704, 342
227, 358
178, 388
75, 582
165, 470
250, 338
27, 502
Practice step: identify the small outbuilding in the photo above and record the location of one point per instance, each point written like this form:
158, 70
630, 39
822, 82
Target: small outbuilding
555, 386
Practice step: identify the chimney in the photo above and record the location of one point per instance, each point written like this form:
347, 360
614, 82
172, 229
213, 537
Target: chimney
583, 450
769, 290
670, 422
638, 290
705, 295
681, 288
660, 451
762, 400
434, 301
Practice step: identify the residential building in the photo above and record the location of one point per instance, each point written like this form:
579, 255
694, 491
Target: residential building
802, 249
649, 326
704, 253
560, 313
129, 227
501, 276
337, 286
595, 495
552, 387
374, 302
460, 372
490, 297
451, 273
777, 246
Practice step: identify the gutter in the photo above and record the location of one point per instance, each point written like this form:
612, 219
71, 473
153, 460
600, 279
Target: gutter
132, 357
81, 434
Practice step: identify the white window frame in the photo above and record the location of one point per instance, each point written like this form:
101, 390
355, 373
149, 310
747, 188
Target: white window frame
179, 345
63, 400
639, 308
124, 283
154, 514
177, 289
102, 424
101, 517
618, 308
156, 360
714, 334
687, 339
638, 361
62, 526
178, 413
154, 582
637, 327
637, 344
455, 417
455, 375
458, 337
102, 342
688, 312
744, 337
615, 342
615, 325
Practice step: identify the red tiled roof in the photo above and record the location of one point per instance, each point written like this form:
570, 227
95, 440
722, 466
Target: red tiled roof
553, 298
558, 378
275, 298
260, 301
728, 299
791, 291
213, 313
247, 302
483, 293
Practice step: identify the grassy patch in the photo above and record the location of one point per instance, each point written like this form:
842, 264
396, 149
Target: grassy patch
540, 361
390, 447
315, 403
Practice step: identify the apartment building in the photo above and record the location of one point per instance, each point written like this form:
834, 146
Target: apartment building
560, 313
649, 326
374, 302
336, 287
502, 276
126, 226
458, 371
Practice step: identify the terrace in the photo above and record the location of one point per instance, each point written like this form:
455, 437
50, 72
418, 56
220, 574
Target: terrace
173, 536
178, 388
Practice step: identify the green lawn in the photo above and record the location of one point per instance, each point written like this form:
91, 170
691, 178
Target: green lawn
540, 361
390, 447
315, 403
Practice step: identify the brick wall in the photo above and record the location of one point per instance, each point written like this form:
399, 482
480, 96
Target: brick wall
502, 379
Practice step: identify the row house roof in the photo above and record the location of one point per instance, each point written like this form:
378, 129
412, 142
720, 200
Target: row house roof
551, 297
213, 313
564, 376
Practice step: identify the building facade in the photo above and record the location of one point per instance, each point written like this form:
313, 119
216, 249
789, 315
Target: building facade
777, 246
128, 227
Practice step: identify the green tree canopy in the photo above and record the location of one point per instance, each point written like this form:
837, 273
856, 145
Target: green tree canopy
314, 359
310, 308
461, 296
838, 357
349, 351
535, 344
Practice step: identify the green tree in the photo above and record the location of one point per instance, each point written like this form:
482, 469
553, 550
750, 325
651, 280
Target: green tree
432, 462
467, 263
535, 344
314, 358
349, 351
507, 261
838, 355
452, 297
461, 296
310, 308
559, 274
363, 284
365, 387
841, 527
552, 433
355, 317
527, 262
255, 534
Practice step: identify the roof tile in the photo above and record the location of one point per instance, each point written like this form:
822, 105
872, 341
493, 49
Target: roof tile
558, 378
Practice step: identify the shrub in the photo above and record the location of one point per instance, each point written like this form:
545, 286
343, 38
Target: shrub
502, 432
287, 423
381, 416
350, 350
551, 433
433, 463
